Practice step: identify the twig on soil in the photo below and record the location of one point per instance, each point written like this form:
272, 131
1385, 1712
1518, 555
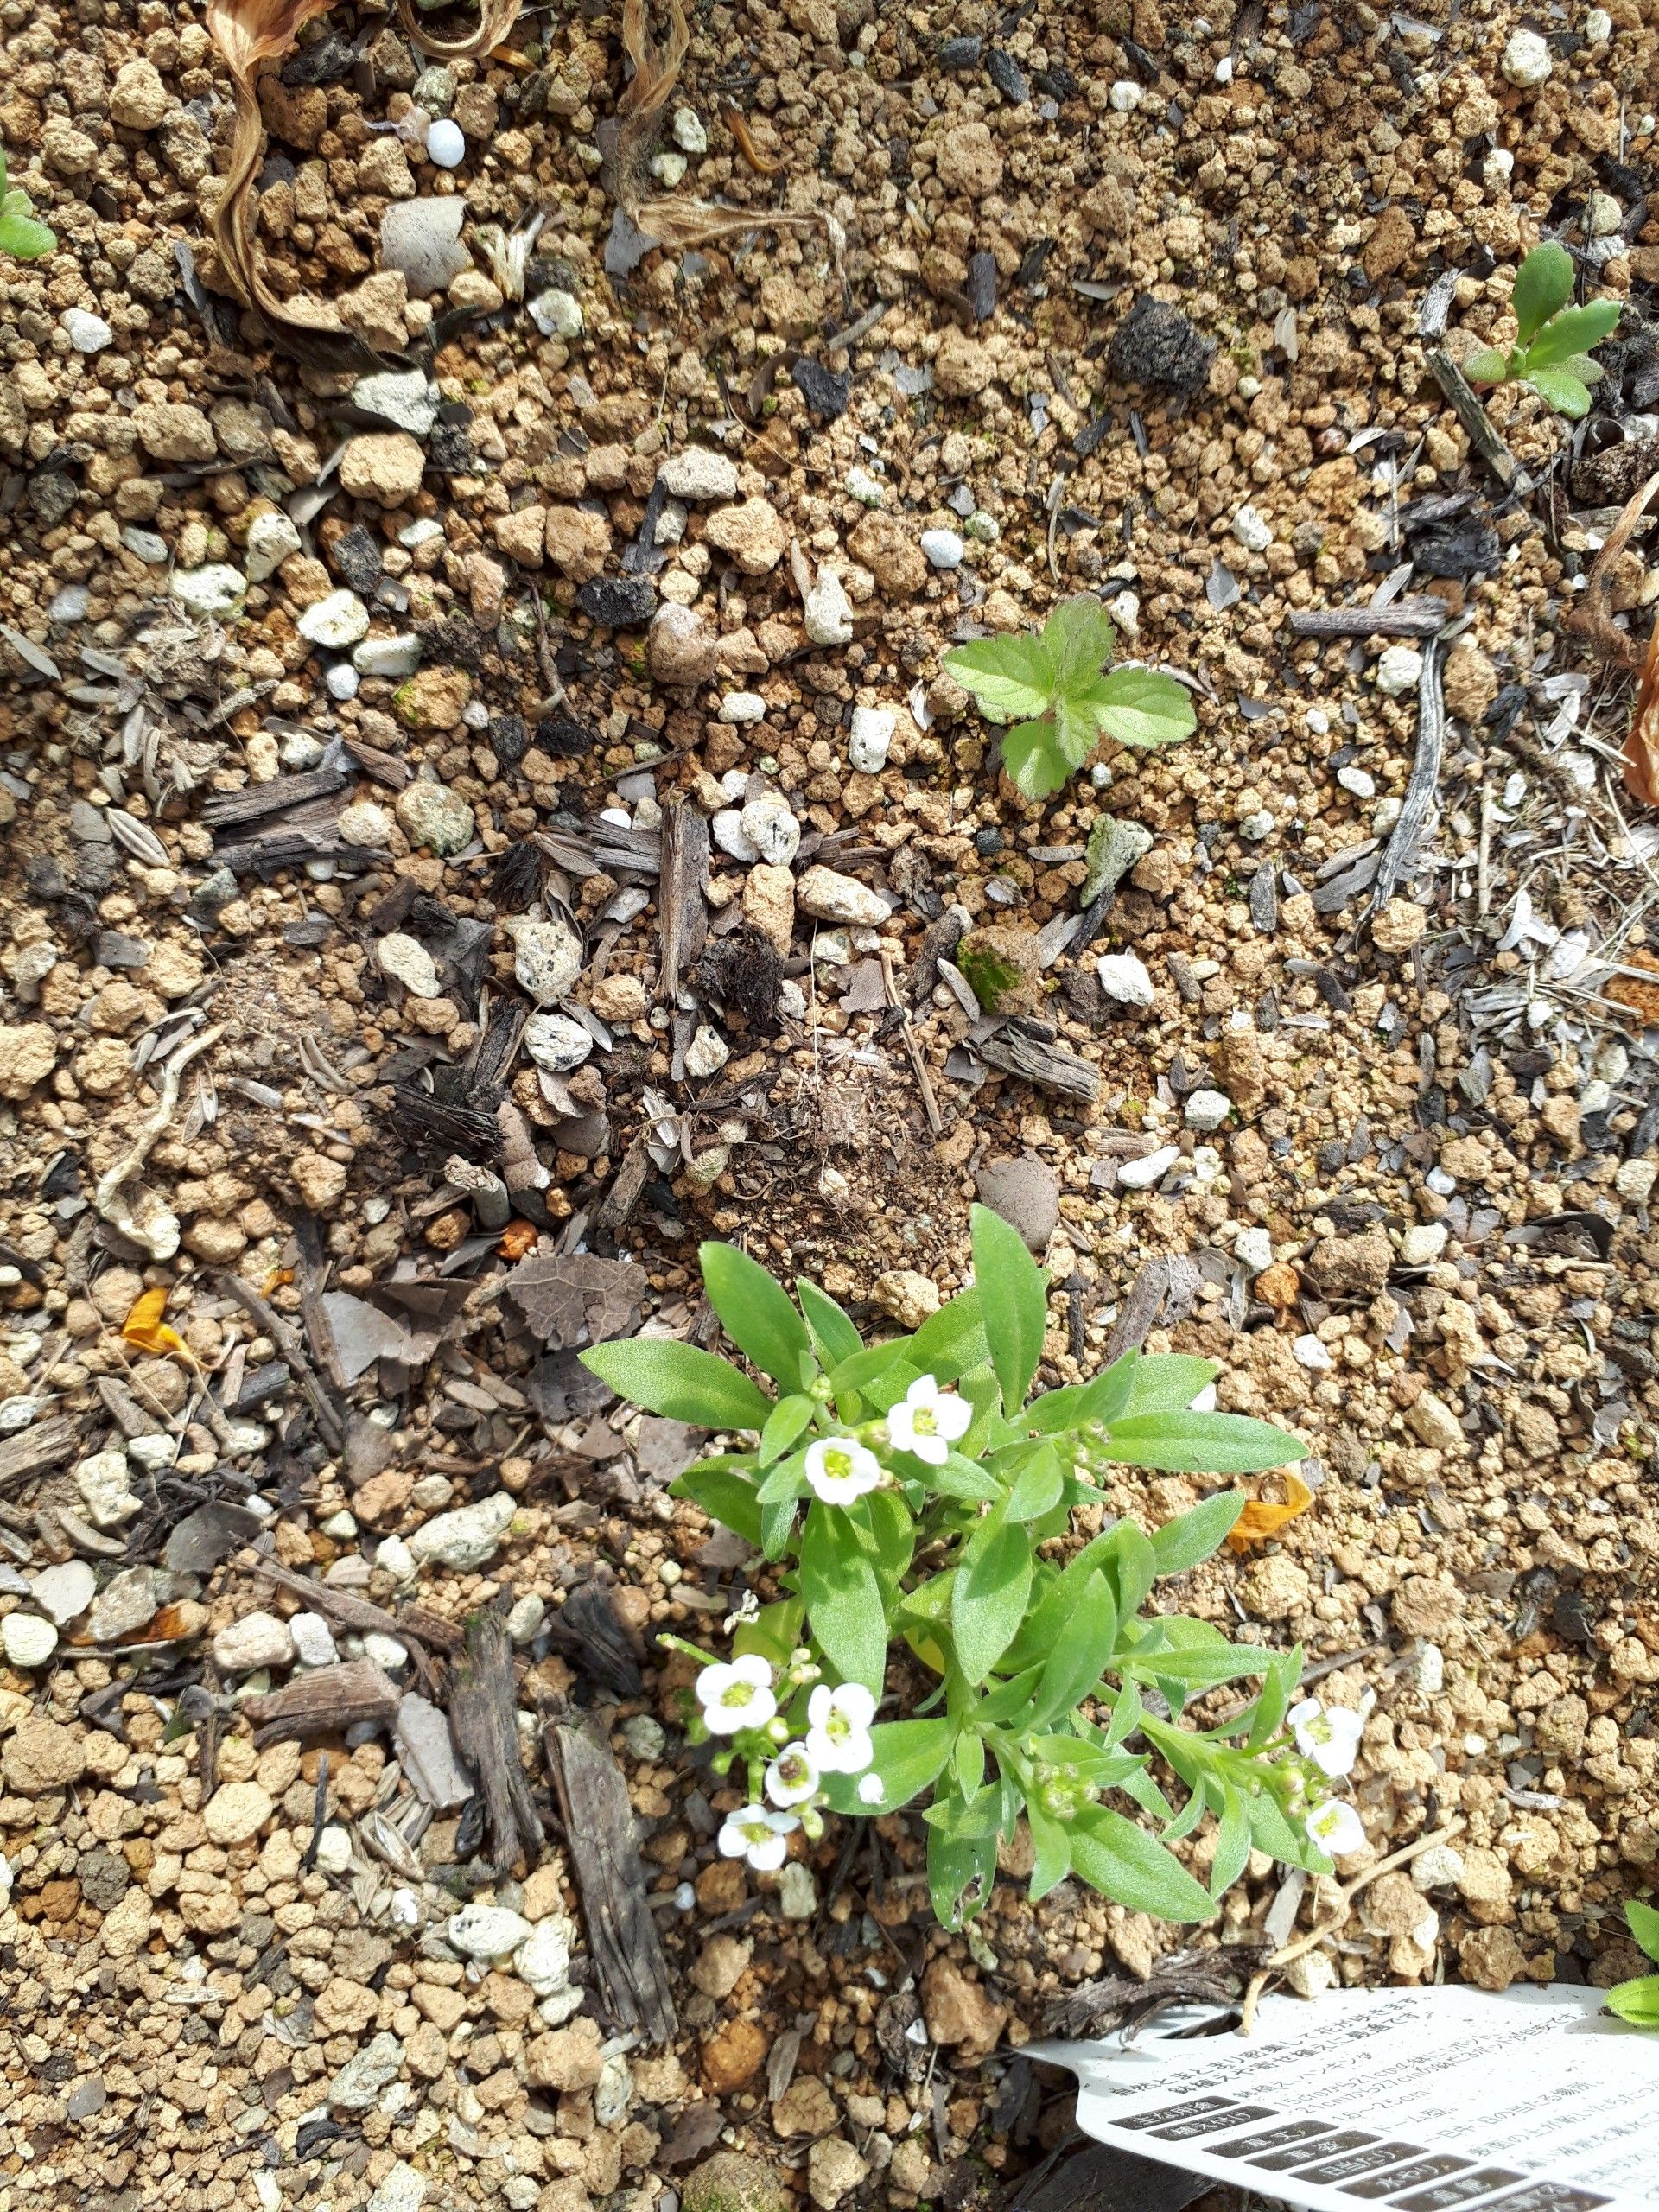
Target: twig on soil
923, 1083
1460, 394
633, 1987
286, 1338
1399, 854
324, 1701
1404, 618
1165, 1279
37, 1447
107, 1201
1345, 1909
484, 1716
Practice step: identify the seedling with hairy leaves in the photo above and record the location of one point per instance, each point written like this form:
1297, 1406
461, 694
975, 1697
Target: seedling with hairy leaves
908, 1498
1054, 690
1637, 2001
21, 236
1552, 346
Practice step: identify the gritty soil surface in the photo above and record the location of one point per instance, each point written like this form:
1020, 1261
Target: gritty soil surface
480, 819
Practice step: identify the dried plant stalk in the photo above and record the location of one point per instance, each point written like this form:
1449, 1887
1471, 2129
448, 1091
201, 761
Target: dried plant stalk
1591, 619
1642, 741
248, 34
495, 21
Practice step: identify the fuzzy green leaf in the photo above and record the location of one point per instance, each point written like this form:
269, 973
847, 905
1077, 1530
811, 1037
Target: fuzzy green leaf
679, 1382
1077, 639
1644, 1925
832, 1334
1637, 2002
1166, 1382
988, 1602
1232, 1845
1050, 1853
724, 1494
1081, 1652
1488, 366
909, 1755
1140, 708
951, 1341
843, 1597
1543, 285
1011, 678
1031, 755
1124, 1862
1560, 389
959, 1876
1039, 1486
21, 236
1201, 1444
1575, 331
1013, 1302
756, 1311
1190, 1537
785, 1423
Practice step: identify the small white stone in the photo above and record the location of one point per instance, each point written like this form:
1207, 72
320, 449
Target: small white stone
1252, 530
396, 1558
942, 549
1633, 1180
446, 143
1141, 1174
1398, 669
1254, 828
86, 333
1358, 780
212, 591
152, 1453
543, 1960
1428, 1679
668, 167
395, 656
742, 707
1527, 60
407, 961
334, 1851
299, 751
706, 1053
526, 1618
337, 621
1498, 168
465, 1539
726, 827
257, 1640
1385, 814
1125, 96
1124, 978
102, 1482
827, 614
1422, 1243
1207, 1110
388, 1654
271, 537
1253, 1250
829, 896
556, 314
771, 829
546, 957
689, 136
28, 1640
486, 1931
699, 473
1309, 1352
869, 491
63, 1593
1602, 215
363, 823
557, 1043
341, 681
1598, 27
868, 736
313, 1640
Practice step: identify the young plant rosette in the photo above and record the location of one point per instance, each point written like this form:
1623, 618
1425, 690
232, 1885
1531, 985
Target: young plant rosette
915, 1503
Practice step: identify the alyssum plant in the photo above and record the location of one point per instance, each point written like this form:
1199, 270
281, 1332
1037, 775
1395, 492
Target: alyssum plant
1552, 340
907, 1493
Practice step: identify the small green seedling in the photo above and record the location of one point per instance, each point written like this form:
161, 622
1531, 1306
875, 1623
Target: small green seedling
1637, 2001
21, 236
1552, 340
1053, 691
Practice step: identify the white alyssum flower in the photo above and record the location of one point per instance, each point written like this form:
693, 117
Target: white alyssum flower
838, 1731
1336, 1827
757, 1835
736, 1696
791, 1777
840, 1471
1329, 1735
929, 1421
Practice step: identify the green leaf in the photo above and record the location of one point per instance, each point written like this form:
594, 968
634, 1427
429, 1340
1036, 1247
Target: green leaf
785, 1423
1644, 1926
909, 1756
961, 1818
679, 1382
774, 1633
1008, 1698
1181, 1543
967, 1764
1077, 639
1278, 1687
963, 1478
1127, 1711
724, 1494
1199, 1665
1080, 1654
843, 1597
951, 1341
989, 1601
756, 1311
1271, 1832
1031, 755
1201, 1444
1140, 708
777, 1525
1124, 1862
1584, 368
1167, 1382
1488, 366
1014, 1300
1050, 1853
1011, 678
960, 1876
21, 236
833, 1334
787, 1479
1560, 389
1134, 1567
1543, 285
1574, 331
1232, 1845
1038, 1487
892, 1535
1637, 2002
1076, 727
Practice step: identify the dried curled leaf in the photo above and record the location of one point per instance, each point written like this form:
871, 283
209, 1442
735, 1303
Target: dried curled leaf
495, 20
575, 1297
1642, 741
1260, 1520
1590, 617
249, 34
145, 1330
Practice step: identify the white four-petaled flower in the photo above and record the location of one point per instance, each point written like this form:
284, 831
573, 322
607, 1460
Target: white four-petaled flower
1329, 1735
839, 1470
929, 1421
838, 1732
757, 1835
1336, 1827
791, 1777
736, 1696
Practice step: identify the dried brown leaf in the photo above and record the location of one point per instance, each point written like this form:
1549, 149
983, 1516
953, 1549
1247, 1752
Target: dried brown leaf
572, 1299
249, 34
1590, 617
1642, 741
495, 21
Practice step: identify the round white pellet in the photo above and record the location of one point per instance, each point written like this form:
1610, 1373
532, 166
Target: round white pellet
446, 143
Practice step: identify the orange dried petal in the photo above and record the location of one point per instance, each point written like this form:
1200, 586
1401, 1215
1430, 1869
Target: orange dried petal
1261, 1519
144, 1328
